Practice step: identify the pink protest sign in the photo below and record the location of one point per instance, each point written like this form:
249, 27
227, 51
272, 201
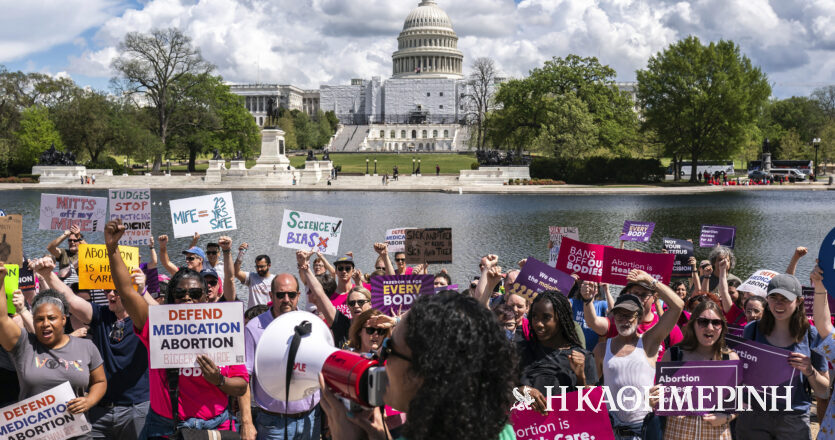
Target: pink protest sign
584, 259
574, 417
618, 262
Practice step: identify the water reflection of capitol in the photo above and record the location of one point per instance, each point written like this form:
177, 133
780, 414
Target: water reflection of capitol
422, 107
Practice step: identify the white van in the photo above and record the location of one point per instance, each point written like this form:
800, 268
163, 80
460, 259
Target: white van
793, 174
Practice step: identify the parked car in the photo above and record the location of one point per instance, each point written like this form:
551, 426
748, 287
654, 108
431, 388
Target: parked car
793, 174
758, 175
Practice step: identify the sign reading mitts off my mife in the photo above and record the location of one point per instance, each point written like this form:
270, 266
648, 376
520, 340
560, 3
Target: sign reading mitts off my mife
179, 333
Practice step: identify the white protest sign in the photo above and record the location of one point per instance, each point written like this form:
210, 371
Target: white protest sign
179, 333
396, 240
556, 234
300, 230
43, 417
203, 214
133, 206
757, 283
59, 212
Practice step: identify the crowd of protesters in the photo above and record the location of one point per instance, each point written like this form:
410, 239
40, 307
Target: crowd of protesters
454, 361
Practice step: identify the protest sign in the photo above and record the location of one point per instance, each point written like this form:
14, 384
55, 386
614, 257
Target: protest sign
203, 214
637, 231
26, 279
396, 240
44, 416
713, 234
681, 378
10, 284
757, 284
736, 330
762, 365
133, 206
826, 261
584, 259
59, 212
395, 294
450, 287
537, 277
809, 302
574, 416
11, 238
683, 250
432, 246
618, 262
300, 230
555, 236
179, 333
94, 265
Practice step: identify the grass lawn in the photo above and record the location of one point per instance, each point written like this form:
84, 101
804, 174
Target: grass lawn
355, 163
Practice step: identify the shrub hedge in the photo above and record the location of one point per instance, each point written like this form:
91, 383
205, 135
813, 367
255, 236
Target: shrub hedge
598, 170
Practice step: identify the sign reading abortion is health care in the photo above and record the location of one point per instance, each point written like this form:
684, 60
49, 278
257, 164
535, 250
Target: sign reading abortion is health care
678, 377
757, 284
94, 265
537, 277
133, 206
618, 262
762, 365
59, 212
637, 231
712, 235
395, 294
584, 259
573, 417
300, 230
179, 333
203, 214
43, 416
683, 250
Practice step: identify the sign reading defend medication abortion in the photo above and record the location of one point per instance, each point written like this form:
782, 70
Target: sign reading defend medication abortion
133, 206
203, 214
59, 212
43, 417
94, 265
179, 333
580, 415
310, 232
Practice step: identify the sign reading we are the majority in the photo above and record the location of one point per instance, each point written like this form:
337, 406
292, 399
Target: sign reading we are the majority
11, 238
305, 231
94, 265
59, 212
432, 246
537, 277
203, 214
133, 207
179, 333
44, 416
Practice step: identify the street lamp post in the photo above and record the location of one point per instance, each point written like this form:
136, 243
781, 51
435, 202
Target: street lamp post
147, 165
366, 167
418, 168
817, 143
375, 167
413, 166
169, 167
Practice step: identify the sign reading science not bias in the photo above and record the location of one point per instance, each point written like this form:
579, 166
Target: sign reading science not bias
179, 333
60, 212
133, 207
395, 294
43, 416
94, 265
537, 277
203, 214
301, 230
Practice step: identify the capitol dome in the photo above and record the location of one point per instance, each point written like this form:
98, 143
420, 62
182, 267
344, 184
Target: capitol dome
428, 46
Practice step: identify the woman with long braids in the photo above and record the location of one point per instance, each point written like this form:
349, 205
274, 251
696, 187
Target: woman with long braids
554, 356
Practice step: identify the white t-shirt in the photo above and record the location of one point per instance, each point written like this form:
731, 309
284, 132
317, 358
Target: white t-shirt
259, 288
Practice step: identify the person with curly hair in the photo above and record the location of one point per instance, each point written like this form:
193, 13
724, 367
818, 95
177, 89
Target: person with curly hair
554, 356
449, 367
364, 337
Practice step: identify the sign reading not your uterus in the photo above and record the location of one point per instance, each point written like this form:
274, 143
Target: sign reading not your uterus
203, 214
60, 212
301, 230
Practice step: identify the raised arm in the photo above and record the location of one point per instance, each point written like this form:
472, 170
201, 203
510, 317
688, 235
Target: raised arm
25, 315
382, 250
136, 306
194, 240
315, 292
798, 254
79, 307
654, 336
9, 331
52, 247
239, 274
491, 275
610, 300
722, 266
695, 282
229, 292
328, 266
153, 262
598, 324
170, 267
821, 306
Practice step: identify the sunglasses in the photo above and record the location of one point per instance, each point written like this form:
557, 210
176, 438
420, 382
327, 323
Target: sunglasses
281, 295
400, 260
380, 268
195, 293
211, 252
372, 330
344, 268
357, 303
704, 266
211, 283
387, 350
703, 322
72, 240
191, 258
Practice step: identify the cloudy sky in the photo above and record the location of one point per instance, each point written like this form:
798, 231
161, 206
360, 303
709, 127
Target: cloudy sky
311, 42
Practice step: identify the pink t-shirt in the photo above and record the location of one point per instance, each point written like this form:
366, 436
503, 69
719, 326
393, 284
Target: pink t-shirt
675, 334
196, 397
338, 301
736, 316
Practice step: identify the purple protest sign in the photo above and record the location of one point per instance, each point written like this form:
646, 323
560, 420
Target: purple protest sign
808, 301
762, 365
713, 234
573, 417
675, 376
450, 287
736, 330
536, 277
394, 294
637, 231
683, 250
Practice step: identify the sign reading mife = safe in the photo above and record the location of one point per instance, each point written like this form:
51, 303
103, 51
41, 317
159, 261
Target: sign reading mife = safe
44, 416
94, 265
180, 333
203, 214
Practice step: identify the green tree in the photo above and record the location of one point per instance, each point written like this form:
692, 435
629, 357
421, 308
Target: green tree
825, 99
306, 132
35, 135
285, 123
800, 114
333, 121
87, 123
323, 130
701, 100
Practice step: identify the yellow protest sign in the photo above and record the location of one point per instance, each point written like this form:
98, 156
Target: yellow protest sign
10, 284
94, 266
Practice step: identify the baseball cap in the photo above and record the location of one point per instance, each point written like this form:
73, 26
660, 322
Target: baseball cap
628, 302
786, 285
196, 251
346, 259
208, 272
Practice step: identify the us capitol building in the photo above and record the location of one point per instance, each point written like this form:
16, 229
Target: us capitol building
422, 107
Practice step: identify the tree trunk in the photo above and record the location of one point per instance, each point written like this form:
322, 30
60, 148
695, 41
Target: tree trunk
192, 157
676, 167
694, 165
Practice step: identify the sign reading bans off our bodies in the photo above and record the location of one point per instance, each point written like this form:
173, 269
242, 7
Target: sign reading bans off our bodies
94, 265
43, 417
133, 206
432, 246
179, 333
